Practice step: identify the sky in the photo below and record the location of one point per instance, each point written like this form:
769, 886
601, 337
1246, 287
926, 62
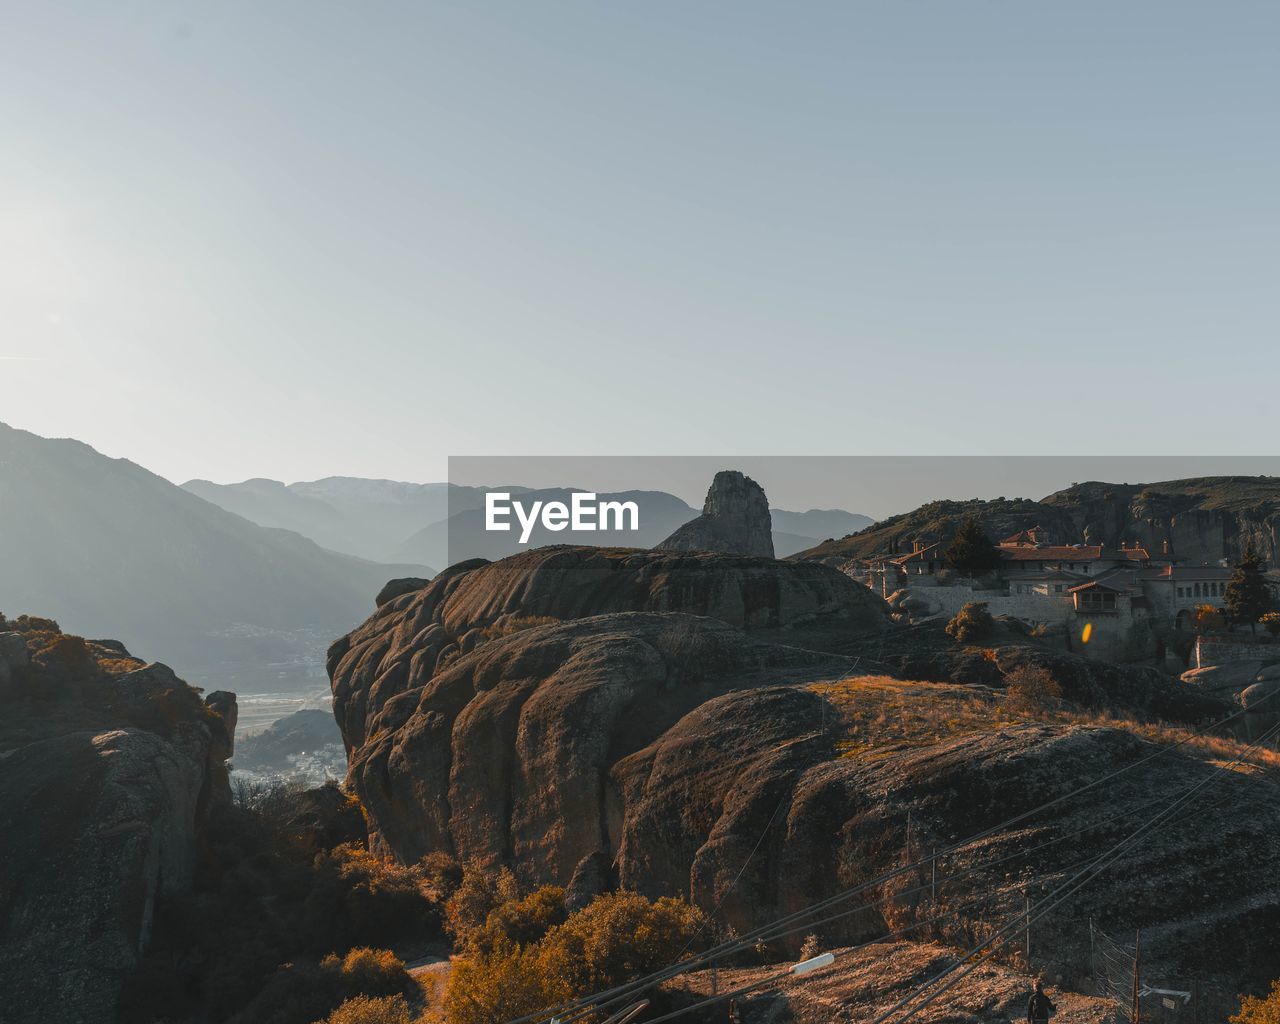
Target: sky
301, 239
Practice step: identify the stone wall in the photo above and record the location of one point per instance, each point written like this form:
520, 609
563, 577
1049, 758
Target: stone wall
1035, 607
1225, 650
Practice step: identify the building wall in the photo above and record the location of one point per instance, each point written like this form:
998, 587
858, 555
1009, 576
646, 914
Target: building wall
1035, 607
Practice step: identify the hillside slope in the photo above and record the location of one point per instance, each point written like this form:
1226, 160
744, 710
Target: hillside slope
1203, 520
104, 546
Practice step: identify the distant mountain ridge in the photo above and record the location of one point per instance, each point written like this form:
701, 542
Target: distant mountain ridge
1203, 519
109, 548
435, 523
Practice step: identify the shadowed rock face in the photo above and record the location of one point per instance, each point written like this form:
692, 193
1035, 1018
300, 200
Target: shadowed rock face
505, 756
735, 520
107, 768
419, 633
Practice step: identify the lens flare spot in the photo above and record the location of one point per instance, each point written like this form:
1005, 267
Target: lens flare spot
1087, 633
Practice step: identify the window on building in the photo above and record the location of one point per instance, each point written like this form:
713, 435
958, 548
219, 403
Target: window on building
1096, 601
1057, 588
1197, 588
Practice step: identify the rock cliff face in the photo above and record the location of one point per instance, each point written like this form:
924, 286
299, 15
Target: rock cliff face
735, 520
684, 753
1203, 520
419, 633
107, 768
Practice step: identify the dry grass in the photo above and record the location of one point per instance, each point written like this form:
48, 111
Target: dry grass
511, 624
881, 715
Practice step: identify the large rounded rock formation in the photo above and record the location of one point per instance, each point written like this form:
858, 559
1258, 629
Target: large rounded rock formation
704, 726
419, 632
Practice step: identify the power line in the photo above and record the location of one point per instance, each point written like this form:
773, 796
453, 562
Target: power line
574, 1010
1103, 861
1094, 866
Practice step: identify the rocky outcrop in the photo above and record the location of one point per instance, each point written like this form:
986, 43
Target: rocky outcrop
504, 755
1201, 520
704, 725
411, 638
107, 770
690, 757
735, 520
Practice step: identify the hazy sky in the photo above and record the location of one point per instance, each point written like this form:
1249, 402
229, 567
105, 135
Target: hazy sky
298, 239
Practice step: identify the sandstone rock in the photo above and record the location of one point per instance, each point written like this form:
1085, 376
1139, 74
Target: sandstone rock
397, 588
735, 520
504, 756
1232, 675
693, 758
592, 876
412, 637
103, 794
1261, 697
13, 656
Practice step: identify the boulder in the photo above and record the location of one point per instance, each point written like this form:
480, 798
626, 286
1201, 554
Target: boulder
397, 588
735, 520
1231, 675
13, 656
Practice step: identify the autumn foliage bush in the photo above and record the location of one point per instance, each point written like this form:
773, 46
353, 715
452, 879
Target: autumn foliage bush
273, 931
1029, 689
972, 623
617, 937
1260, 1009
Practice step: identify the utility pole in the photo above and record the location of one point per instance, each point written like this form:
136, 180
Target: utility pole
933, 874
1137, 974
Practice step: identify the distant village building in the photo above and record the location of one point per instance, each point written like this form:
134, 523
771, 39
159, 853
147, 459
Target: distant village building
1113, 589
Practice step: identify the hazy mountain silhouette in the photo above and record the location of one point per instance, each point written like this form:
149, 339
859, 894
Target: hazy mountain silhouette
354, 515
817, 522
110, 549
406, 522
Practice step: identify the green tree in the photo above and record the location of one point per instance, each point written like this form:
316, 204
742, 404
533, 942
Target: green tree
1247, 597
971, 552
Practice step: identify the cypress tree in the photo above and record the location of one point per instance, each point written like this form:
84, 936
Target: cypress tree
1247, 597
971, 553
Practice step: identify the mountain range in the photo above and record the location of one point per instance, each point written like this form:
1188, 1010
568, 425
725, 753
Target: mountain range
244, 585
108, 548
441, 523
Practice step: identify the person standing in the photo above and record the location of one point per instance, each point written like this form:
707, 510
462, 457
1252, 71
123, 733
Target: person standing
1040, 1007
